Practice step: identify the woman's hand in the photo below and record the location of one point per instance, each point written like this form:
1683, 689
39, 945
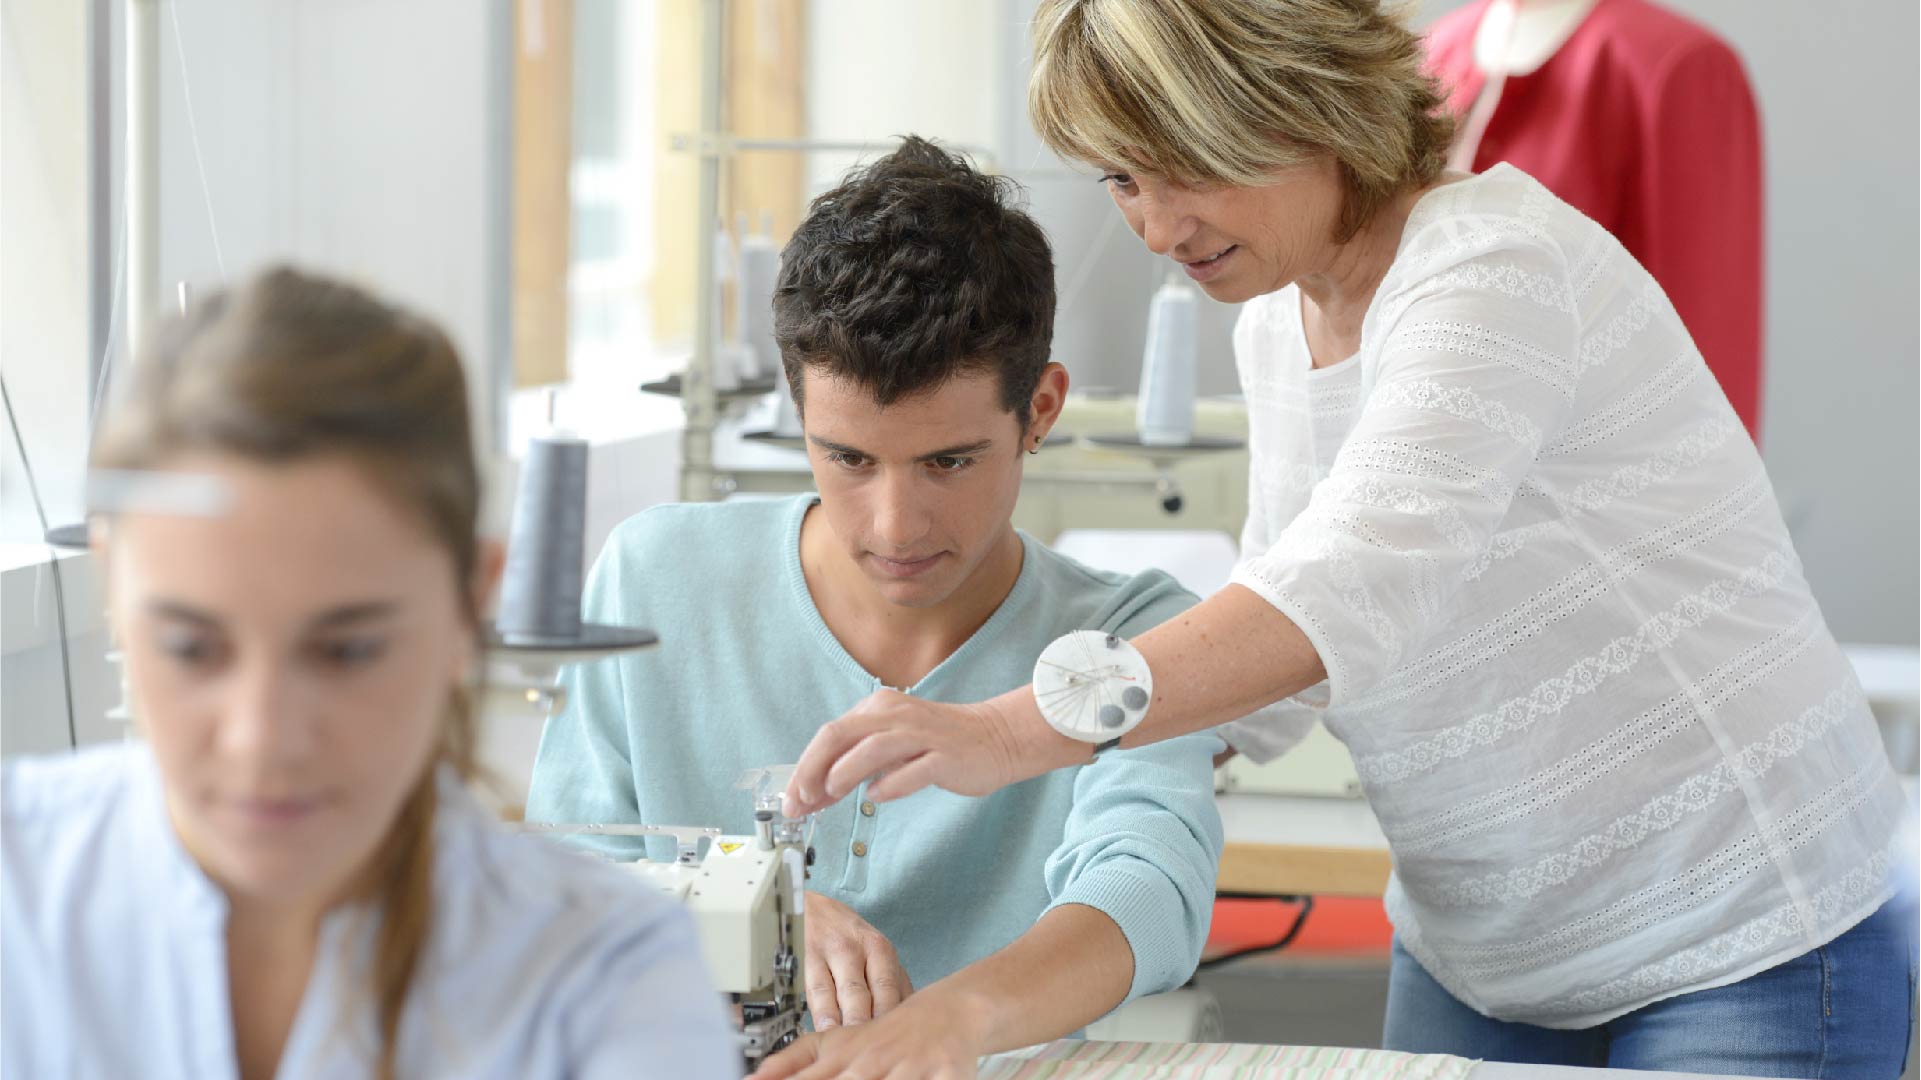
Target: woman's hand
853, 973
921, 1040
965, 749
915, 742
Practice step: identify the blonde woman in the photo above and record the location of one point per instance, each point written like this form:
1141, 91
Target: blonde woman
285, 875
1508, 541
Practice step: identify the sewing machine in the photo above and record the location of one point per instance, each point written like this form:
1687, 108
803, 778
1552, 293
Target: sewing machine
747, 895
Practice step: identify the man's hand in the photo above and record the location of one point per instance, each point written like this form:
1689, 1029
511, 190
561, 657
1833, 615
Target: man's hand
921, 1040
853, 973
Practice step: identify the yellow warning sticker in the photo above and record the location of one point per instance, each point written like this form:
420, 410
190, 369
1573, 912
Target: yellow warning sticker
729, 848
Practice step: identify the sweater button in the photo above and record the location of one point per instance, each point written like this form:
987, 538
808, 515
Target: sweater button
860, 849
866, 809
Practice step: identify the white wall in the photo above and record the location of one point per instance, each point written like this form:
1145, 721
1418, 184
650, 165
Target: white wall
1838, 88
360, 137
877, 69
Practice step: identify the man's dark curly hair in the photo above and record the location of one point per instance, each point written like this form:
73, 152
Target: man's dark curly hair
917, 268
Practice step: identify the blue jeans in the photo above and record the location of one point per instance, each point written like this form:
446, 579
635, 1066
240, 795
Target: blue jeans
1845, 1010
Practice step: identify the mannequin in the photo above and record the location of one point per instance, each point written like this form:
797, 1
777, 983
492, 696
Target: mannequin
1516, 37
1643, 121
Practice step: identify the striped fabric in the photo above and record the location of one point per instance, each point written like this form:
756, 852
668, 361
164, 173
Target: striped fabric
1072, 1059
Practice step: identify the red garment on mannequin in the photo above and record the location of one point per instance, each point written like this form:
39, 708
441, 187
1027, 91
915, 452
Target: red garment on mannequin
1644, 122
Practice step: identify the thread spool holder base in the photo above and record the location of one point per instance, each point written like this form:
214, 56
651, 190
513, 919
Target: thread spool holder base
672, 387
1129, 442
545, 656
1165, 458
70, 537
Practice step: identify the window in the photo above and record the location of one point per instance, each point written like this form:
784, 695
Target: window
616, 81
46, 261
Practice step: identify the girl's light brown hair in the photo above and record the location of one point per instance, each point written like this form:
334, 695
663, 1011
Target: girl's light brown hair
290, 366
1224, 92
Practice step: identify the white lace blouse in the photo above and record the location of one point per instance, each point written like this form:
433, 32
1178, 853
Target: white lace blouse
1615, 750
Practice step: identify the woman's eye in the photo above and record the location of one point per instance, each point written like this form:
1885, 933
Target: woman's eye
1120, 180
351, 652
190, 650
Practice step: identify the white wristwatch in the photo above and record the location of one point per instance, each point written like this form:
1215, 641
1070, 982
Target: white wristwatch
1093, 686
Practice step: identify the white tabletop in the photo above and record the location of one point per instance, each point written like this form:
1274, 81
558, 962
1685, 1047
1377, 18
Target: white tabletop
1299, 821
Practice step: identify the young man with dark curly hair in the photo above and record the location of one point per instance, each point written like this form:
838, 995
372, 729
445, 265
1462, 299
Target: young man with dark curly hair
914, 313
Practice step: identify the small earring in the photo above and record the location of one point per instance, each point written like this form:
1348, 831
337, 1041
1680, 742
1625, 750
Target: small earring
1038, 443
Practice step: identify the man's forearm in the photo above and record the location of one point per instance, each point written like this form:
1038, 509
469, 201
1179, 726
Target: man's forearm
1073, 967
1220, 660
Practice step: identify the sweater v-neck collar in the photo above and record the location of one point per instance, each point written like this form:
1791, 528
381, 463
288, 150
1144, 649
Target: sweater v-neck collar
844, 661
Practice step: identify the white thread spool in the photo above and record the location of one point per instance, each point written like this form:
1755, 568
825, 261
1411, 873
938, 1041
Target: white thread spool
1165, 414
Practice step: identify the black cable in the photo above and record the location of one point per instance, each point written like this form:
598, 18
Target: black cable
1293, 931
53, 563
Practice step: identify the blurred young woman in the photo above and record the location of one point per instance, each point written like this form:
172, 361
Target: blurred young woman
285, 876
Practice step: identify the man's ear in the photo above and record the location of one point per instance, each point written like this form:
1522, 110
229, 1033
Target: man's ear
1044, 408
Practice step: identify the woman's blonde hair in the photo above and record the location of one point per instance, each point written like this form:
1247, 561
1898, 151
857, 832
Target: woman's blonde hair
1223, 92
290, 366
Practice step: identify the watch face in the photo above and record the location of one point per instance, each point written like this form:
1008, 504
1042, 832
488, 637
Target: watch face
1092, 686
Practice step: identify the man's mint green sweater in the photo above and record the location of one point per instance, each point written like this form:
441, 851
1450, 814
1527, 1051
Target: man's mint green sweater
747, 671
